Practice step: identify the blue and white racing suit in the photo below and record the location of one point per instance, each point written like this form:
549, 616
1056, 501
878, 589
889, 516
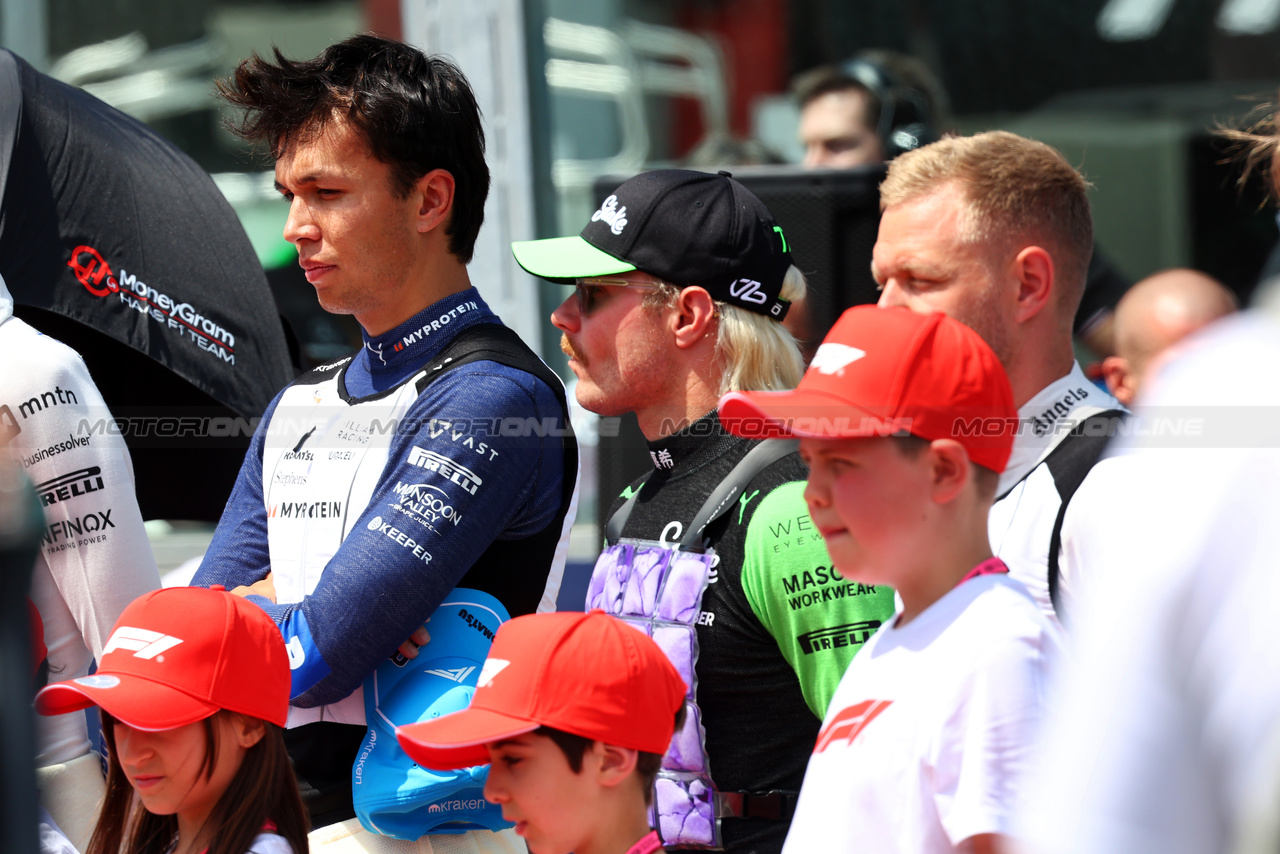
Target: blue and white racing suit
377, 484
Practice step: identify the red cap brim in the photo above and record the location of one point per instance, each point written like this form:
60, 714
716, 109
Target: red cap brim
458, 740
133, 700
799, 413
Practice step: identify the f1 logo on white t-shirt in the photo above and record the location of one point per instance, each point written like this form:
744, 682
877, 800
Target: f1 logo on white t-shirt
849, 722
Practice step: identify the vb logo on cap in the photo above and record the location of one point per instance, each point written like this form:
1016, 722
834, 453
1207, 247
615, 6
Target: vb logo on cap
178, 655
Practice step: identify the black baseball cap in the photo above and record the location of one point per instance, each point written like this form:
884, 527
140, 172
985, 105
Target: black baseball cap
687, 228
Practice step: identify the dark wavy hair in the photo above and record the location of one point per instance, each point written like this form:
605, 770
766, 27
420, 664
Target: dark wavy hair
263, 789
575, 747
416, 113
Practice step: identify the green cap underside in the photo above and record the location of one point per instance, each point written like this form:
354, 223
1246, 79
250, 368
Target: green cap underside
563, 259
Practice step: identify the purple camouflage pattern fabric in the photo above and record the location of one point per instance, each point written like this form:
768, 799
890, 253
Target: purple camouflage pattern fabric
658, 590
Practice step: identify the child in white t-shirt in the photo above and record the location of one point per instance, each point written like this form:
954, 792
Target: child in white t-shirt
906, 421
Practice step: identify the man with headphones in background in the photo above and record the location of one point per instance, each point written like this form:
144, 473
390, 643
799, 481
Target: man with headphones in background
881, 103
867, 110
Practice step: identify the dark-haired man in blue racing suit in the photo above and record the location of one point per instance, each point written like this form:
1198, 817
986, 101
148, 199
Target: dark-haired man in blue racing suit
437, 456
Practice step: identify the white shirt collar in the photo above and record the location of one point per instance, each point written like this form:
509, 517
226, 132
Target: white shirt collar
1047, 418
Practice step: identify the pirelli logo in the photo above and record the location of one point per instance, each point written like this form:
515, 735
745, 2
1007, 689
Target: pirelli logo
835, 637
445, 467
69, 486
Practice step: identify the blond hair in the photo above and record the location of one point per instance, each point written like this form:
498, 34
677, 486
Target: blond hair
755, 352
1019, 192
1256, 147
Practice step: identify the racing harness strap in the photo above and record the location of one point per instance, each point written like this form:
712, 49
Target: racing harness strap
1070, 463
722, 497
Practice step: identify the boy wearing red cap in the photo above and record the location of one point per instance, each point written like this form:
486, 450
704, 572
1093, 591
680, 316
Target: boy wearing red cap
574, 712
906, 421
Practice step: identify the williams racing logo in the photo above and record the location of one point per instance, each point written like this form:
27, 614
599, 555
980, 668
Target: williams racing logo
92, 271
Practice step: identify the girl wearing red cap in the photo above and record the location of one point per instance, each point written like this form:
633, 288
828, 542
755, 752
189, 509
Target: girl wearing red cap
194, 691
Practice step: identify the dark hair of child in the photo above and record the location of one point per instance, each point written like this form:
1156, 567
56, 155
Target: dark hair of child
574, 747
263, 790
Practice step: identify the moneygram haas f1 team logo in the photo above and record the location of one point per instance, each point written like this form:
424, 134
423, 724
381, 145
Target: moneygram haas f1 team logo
93, 271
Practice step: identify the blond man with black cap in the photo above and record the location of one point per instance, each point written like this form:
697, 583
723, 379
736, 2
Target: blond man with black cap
681, 282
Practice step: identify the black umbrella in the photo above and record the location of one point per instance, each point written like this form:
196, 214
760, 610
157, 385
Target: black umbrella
114, 241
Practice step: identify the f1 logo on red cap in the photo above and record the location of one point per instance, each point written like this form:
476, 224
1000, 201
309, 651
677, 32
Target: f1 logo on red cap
492, 667
146, 643
834, 358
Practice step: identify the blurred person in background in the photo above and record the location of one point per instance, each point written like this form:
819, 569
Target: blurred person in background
882, 103
868, 110
861, 113
1155, 314
995, 231
94, 556
1164, 736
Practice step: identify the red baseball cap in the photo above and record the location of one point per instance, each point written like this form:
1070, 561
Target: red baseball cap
178, 655
887, 371
588, 674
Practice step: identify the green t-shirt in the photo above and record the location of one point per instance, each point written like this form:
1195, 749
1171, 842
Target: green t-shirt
819, 619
